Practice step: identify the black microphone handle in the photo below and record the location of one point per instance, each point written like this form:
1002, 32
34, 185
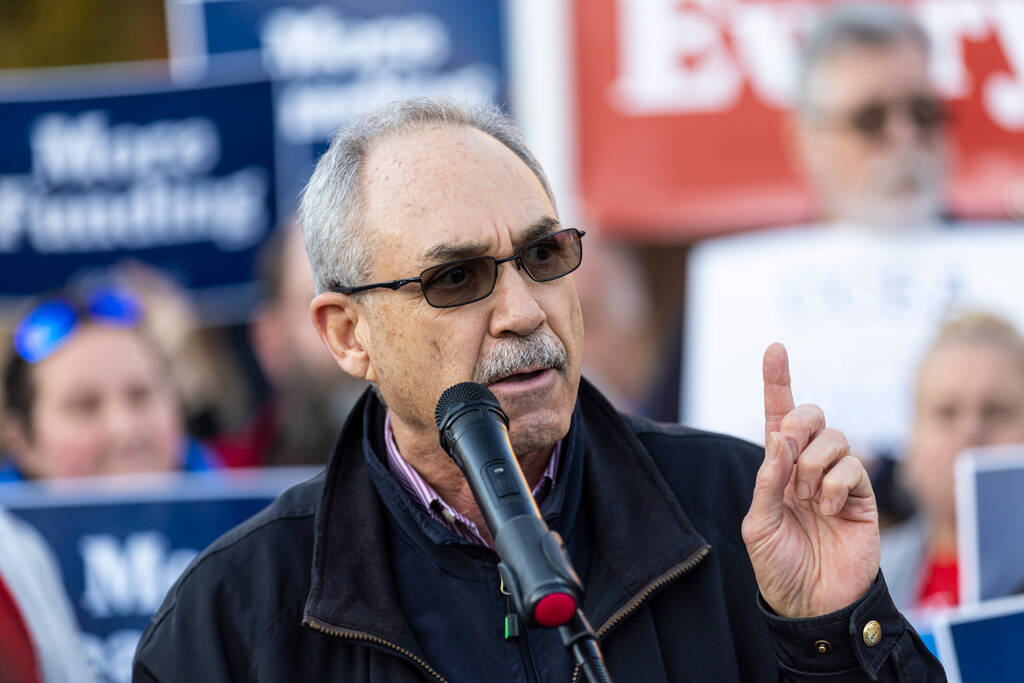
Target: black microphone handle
479, 444
534, 566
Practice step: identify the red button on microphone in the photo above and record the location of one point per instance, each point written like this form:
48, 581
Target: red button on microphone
555, 610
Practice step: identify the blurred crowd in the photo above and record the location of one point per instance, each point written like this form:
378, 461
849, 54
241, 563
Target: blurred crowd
118, 374
115, 375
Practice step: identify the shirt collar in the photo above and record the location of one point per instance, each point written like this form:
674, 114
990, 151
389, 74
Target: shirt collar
424, 494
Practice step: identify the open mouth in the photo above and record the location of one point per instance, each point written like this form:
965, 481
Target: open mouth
521, 376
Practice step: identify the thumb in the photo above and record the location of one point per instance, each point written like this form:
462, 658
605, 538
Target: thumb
766, 507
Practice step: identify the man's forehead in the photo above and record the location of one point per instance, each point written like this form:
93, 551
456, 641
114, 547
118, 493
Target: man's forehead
403, 155
442, 189
854, 72
453, 248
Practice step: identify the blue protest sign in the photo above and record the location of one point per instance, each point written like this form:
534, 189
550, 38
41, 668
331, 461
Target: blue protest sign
989, 510
306, 37
981, 643
181, 178
121, 543
331, 61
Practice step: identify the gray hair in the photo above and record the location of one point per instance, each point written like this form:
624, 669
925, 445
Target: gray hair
338, 243
860, 24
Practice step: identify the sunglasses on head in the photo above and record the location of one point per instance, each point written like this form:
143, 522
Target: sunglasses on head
925, 112
51, 324
467, 280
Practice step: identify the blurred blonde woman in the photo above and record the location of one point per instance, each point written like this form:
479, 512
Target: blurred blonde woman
969, 392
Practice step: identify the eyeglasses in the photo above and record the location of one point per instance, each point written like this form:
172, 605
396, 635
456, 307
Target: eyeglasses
50, 325
925, 112
467, 280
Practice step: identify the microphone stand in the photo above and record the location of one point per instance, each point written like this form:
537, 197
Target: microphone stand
580, 638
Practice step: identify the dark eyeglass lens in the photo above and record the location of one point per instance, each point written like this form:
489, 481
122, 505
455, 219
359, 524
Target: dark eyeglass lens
463, 282
451, 284
870, 119
927, 112
552, 256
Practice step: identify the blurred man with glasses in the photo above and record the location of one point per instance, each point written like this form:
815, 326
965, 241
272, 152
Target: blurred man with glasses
871, 136
870, 129
868, 134
439, 258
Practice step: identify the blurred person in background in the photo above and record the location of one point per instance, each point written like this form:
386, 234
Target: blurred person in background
310, 396
869, 128
868, 133
619, 356
86, 392
205, 371
39, 639
969, 393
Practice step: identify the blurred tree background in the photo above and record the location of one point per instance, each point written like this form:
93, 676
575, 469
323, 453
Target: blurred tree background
65, 32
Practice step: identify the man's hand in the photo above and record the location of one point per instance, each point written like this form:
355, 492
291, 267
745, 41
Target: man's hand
812, 527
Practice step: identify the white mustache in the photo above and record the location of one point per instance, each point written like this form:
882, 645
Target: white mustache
921, 169
513, 355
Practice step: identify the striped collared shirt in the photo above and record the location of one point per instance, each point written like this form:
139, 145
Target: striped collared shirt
424, 494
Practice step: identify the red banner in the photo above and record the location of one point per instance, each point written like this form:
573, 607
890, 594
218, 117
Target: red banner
681, 108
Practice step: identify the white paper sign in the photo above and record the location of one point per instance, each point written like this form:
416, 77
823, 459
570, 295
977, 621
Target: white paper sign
855, 309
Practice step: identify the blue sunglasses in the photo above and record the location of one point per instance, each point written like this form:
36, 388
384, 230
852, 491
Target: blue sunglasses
50, 325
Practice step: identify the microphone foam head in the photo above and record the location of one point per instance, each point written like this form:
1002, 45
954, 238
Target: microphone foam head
458, 395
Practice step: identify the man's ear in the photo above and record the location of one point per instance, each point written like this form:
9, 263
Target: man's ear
340, 321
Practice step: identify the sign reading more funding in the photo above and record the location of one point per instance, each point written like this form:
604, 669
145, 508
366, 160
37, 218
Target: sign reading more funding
174, 177
331, 61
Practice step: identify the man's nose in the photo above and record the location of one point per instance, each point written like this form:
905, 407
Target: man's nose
515, 309
900, 129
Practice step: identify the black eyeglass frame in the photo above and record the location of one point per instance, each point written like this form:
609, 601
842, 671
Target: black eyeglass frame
927, 113
517, 258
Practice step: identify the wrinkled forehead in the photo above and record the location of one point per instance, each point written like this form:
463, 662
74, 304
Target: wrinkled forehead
439, 186
853, 74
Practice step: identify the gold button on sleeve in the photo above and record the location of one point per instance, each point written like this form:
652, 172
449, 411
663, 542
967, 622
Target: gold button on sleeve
822, 647
872, 633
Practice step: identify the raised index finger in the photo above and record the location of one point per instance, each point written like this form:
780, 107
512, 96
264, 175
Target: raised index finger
778, 396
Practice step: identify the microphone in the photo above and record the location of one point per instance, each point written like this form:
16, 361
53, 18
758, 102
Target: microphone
534, 566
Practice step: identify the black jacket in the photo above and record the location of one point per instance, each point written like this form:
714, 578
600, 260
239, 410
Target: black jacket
343, 578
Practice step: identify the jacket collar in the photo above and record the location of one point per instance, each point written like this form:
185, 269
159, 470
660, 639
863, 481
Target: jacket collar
638, 528
640, 531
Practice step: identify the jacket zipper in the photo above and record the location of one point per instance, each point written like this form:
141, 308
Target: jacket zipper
529, 668
359, 635
640, 597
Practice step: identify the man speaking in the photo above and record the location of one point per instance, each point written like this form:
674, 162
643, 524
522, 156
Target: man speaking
439, 259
